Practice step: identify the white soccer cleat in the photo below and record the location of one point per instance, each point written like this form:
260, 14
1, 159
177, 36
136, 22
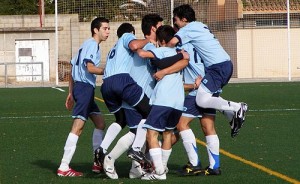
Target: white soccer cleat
109, 167
154, 176
136, 172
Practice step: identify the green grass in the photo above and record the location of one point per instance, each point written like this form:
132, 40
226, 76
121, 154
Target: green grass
34, 125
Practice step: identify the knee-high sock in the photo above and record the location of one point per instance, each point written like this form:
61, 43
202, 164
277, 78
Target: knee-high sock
111, 133
97, 138
206, 100
165, 157
69, 151
213, 149
189, 143
122, 145
140, 137
156, 156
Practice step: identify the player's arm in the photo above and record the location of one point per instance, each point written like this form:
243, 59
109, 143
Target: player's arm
169, 61
69, 100
134, 45
93, 69
173, 42
145, 54
172, 69
195, 85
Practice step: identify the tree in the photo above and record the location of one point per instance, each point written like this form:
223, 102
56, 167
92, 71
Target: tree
24, 7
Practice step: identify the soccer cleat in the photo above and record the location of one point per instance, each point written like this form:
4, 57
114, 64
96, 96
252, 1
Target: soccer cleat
139, 157
99, 156
69, 173
96, 168
208, 171
109, 167
136, 172
154, 176
238, 120
190, 170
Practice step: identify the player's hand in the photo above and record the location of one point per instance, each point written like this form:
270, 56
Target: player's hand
185, 54
198, 81
159, 75
69, 102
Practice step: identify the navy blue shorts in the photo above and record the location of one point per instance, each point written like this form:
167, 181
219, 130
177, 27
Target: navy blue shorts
192, 110
217, 76
162, 118
133, 118
85, 105
118, 88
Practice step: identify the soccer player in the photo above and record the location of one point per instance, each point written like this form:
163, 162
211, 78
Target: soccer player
85, 67
141, 71
118, 86
167, 105
217, 63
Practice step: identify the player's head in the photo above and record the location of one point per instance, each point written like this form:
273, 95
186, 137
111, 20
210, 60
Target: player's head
183, 14
151, 21
100, 28
125, 28
164, 34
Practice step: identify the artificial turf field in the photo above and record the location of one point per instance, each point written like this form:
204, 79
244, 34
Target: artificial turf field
34, 125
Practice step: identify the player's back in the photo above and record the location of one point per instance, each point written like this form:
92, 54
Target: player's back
205, 43
169, 90
120, 57
88, 51
195, 67
142, 71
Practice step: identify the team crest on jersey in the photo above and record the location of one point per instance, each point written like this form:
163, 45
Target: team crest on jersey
91, 56
204, 81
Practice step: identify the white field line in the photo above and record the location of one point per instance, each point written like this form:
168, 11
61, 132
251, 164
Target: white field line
65, 116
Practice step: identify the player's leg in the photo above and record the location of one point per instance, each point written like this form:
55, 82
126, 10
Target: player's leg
111, 133
143, 108
193, 167
84, 96
98, 134
216, 77
166, 148
69, 150
212, 145
123, 144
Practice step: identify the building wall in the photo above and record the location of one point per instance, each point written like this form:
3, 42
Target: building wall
263, 53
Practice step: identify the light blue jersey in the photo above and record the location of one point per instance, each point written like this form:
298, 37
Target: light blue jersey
194, 68
142, 72
89, 51
169, 90
205, 43
120, 57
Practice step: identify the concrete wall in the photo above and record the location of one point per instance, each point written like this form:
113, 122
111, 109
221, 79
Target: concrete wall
263, 53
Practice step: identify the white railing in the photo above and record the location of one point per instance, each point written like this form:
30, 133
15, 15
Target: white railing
33, 74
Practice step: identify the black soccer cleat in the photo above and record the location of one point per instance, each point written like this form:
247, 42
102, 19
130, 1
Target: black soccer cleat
238, 120
209, 172
190, 170
99, 156
139, 157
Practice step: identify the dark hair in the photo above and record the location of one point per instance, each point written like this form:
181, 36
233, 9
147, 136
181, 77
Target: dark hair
165, 33
97, 23
185, 11
125, 28
150, 20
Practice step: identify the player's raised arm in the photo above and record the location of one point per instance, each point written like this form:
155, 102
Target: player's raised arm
145, 54
173, 42
134, 45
